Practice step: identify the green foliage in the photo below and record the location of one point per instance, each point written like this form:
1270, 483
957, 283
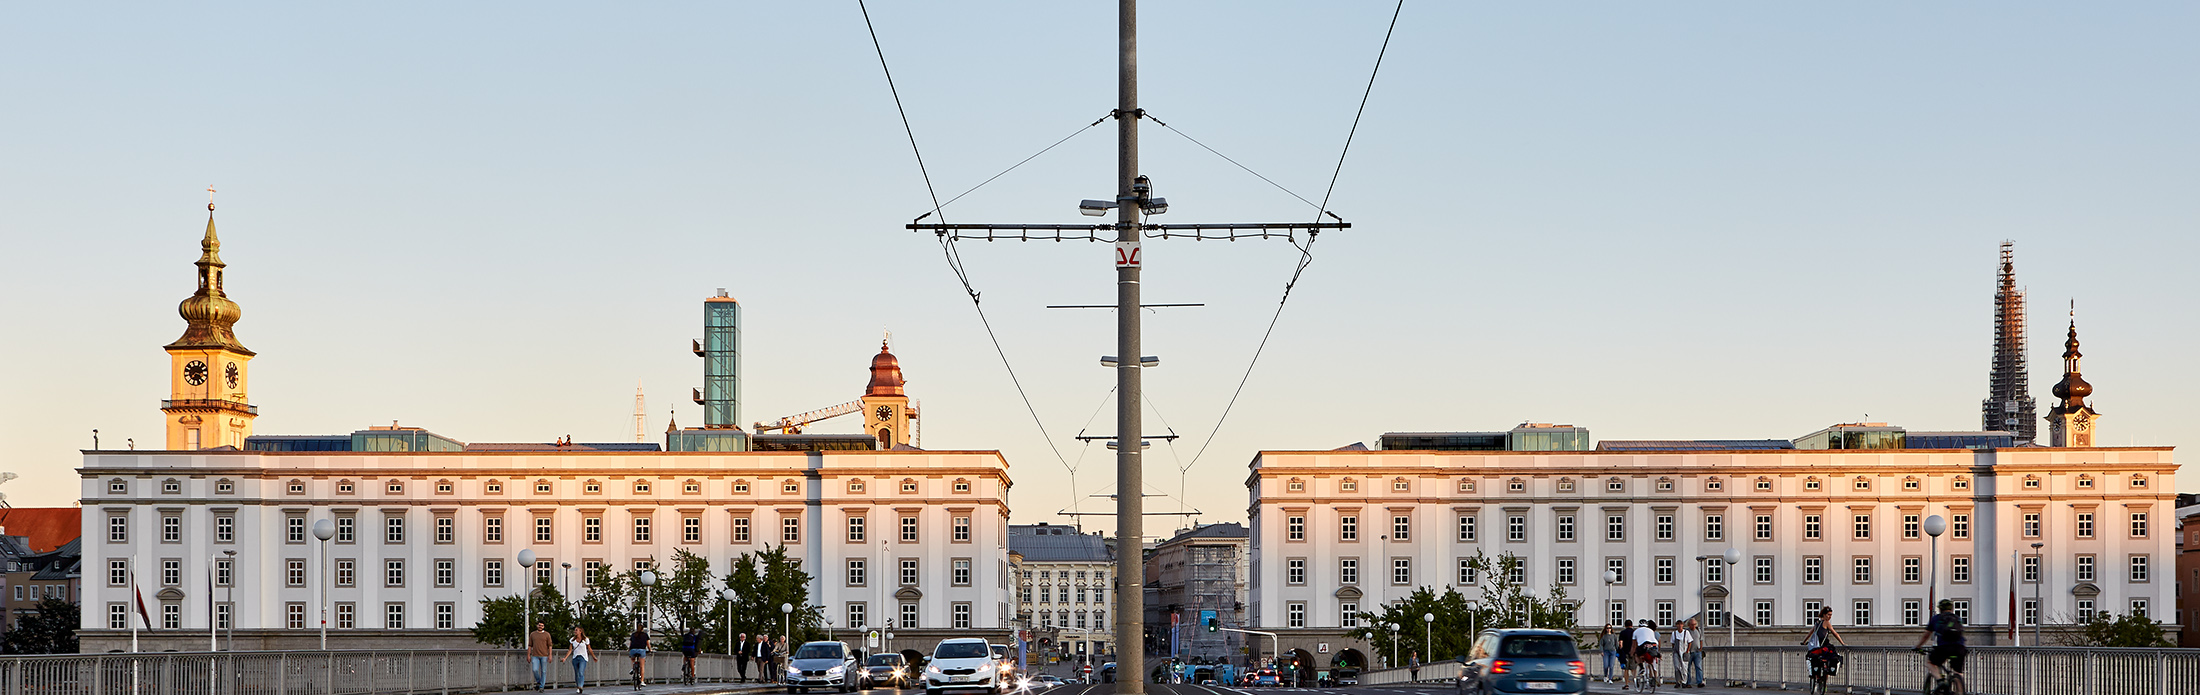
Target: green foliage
51, 630
2131, 630
501, 623
686, 595
1502, 604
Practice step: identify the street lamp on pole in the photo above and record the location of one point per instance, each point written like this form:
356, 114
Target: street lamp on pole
1394, 661
730, 595
1733, 560
1428, 622
1610, 578
526, 592
324, 530
786, 623
649, 579
565, 580
1934, 526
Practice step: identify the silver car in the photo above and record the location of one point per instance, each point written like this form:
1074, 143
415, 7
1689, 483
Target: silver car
824, 665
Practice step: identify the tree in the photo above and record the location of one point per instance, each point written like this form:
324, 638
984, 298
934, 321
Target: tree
501, 623
762, 582
2131, 630
1503, 603
51, 630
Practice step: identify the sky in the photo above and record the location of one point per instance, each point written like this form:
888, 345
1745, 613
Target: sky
1655, 220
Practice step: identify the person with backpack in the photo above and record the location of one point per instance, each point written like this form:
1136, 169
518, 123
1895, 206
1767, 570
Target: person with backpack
1818, 646
1645, 643
691, 645
1948, 654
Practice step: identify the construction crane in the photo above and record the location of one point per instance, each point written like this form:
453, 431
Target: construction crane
793, 424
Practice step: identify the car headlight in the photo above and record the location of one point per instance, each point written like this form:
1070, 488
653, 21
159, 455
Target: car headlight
792, 671
836, 670
932, 670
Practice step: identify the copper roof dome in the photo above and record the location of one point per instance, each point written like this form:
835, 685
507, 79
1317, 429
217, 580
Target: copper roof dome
885, 374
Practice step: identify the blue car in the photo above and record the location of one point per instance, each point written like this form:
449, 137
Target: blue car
1523, 661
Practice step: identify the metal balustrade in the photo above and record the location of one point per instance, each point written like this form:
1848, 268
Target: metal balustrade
359, 672
1897, 670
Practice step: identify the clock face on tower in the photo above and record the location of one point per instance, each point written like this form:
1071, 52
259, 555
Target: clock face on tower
194, 373
231, 372
885, 412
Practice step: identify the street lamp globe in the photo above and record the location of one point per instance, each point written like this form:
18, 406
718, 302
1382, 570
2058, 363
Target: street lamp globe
786, 609
1733, 556
1610, 576
1428, 617
649, 578
324, 529
1934, 525
730, 595
527, 558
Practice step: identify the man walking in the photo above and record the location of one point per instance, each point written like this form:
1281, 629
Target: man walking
1695, 654
766, 671
538, 654
741, 657
1680, 639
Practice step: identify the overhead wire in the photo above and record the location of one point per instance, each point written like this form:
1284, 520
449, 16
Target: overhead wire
947, 243
1306, 252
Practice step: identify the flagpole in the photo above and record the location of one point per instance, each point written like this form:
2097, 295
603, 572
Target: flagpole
213, 634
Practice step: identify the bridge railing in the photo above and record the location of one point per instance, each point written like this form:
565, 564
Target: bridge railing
1897, 670
349, 672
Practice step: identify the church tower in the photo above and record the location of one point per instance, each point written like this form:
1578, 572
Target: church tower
2008, 406
2072, 422
887, 412
209, 371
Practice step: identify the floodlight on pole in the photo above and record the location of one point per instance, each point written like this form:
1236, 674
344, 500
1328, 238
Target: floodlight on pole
1094, 208
1110, 361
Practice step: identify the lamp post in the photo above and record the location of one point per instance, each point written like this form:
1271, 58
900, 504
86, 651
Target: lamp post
1428, 622
1733, 559
2038, 607
1393, 646
232, 554
786, 623
730, 595
1934, 526
526, 592
649, 579
324, 530
1610, 578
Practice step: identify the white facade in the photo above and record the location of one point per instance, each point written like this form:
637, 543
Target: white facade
1816, 528
919, 535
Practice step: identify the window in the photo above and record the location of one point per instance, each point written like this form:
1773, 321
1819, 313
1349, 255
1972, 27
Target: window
960, 485
641, 529
1911, 610
1664, 610
446, 573
295, 616
225, 572
2085, 482
1294, 528
118, 616
171, 616
1348, 528
909, 485
2085, 524
1664, 526
591, 572
641, 487
396, 487
294, 529
2085, 568
740, 487
1912, 569
1910, 483
347, 572
393, 529
2138, 568
1294, 614
1862, 573
2031, 482
1565, 527
1959, 525
1764, 570
790, 487
1618, 567
297, 487
1812, 528
1617, 613
492, 529
1565, 570
855, 572
855, 487
1401, 571
294, 572
117, 487
2031, 612
961, 571
1810, 611
2085, 610
1466, 485
494, 487
2031, 524
962, 616
1615, 527
223, 616
2138, 524
393, 573
1862, 526
1814, 571
1401, 527
790, 529
1714, 484
1909, 527
1764, 612
1714, 527
171, 528
858, 615
1961, 483
446, 616
1565, 484
446, 529
1615, 485
909, 615
855, 529
1764, 484
1349, 615
344, 487
1400, 485
1863, 483
1516, 528
1348, 571
2138, 482
1959, 569
1861, 614
1714, 614
347, 529
443, 487
1516, 485
691, 529
1963, 610
1294, 571
592, 529
542, 529
393, 616
1466, 528
2139, 607
2032, 568
1812, 483
171, 572
908, 572
961, 529
1714, 571
1764, 527
1296, 485
1348, 485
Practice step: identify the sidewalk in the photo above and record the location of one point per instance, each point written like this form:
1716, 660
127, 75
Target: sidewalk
670, 689
1668, 689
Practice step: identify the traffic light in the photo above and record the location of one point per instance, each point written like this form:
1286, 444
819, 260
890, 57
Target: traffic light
1214, 624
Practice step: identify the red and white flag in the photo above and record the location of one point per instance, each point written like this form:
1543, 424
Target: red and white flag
140, 594
2013, 619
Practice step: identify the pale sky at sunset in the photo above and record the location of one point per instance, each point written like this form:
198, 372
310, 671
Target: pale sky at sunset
1655, 220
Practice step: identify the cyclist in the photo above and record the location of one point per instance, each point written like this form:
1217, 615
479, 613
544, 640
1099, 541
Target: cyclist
691, 644
1948, 654
1818, 647
637, 647
1645, 641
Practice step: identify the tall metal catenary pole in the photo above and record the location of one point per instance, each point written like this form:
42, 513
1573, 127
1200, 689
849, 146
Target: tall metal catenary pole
1130, 488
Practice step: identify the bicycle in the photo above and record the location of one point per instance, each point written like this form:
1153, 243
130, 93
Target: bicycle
636, 673
1646, 676
687, 669
1821, 668
1949, 684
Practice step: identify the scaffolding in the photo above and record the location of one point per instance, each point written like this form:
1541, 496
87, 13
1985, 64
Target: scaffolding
2009, 406
1210, 584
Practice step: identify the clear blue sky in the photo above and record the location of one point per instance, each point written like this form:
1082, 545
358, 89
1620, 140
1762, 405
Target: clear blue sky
1656, 220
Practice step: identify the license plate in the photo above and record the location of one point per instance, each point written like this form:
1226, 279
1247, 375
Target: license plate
962, 679
1539, 685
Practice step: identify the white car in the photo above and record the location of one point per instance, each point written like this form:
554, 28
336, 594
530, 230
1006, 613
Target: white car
963, 665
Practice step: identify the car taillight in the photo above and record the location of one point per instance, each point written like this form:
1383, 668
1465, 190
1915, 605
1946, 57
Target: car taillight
1577, 668
1501, 666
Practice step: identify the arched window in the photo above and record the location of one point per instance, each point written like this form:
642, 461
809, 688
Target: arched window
444, 487
641, 487
1348, 485
1295, 485
1615, 485
1764, 484
909, 486
1962, 482
2031, 482
2085, 482
1812, 483
692, 487
1516, 485
1714, 484
542, 486
1911, 483
592, 487
117, 486
855, 486
343, 487
1400, 485
962, 485
1565, 484
1466, 485
1863, 483
2138, 482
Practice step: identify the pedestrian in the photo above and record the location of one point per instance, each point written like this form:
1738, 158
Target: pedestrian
767, 670
1645, 645
1680, 641
538, 655
740, 651
1609, 644
1626, 654
1695, 653
1413, 664
637, 648
579, 654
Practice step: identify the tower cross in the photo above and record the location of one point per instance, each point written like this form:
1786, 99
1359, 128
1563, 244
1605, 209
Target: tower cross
210, 196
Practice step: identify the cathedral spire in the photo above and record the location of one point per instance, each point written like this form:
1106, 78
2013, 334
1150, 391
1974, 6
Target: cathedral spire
2009, 406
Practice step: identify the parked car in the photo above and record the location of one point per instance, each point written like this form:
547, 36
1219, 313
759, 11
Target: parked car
963, 664
888, 669
1523, 661
824, 665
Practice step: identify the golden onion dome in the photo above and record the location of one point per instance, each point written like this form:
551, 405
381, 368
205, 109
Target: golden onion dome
208, 314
